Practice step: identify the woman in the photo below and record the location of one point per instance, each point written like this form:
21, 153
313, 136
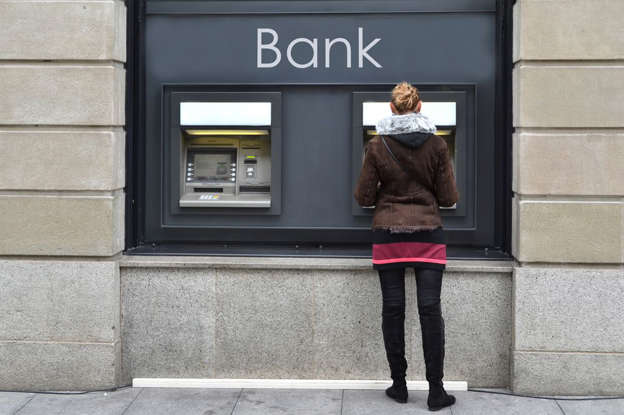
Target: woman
407, 174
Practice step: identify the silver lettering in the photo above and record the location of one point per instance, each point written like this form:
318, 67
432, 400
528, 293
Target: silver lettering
363, 52
312, 62
329, 44
270, 46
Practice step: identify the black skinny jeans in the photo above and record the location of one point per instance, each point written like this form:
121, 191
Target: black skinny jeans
429, 285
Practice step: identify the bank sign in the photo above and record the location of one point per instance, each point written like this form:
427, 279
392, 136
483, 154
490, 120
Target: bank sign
317, 48
269, 53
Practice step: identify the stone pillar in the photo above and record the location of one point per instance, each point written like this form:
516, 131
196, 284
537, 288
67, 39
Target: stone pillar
568, 210
62, 175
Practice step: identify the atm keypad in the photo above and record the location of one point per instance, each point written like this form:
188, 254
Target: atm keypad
250, 166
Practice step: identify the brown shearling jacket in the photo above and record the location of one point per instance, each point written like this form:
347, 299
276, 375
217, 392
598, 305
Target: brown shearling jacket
407, 197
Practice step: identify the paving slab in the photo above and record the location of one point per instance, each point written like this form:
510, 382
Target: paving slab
481, 403
187, 401
93, 403
597, 407
12, 401
289, 401
375, 402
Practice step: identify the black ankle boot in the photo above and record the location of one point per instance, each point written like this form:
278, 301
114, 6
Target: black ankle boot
438, 398
398, 392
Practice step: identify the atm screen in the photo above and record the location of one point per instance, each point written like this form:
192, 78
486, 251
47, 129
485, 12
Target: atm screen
215, 165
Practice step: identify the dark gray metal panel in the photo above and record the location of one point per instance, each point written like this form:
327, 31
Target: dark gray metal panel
319, 6
441, 49
218, 53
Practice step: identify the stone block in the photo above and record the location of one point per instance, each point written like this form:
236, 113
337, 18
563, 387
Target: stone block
66, 159
476, 308
569, 231
187, 401
568, 95
566, 373
168, 323
68, 30
41, 366
264, 324
288, 401
568, 309
602, 407
55, 94
348, 341
499, 403
11, 402
375, 402
572, 163
59, 301
568, 30
61, 224
109, 403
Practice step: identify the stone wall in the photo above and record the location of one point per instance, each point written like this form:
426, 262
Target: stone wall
61, 192
568, 209
298, 318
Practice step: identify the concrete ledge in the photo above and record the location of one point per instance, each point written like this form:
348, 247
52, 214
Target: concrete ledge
568, 309
286, 384
587, 162
63, 301
571, 29
54, 94
43, 366
141, 261
554, 373
61, 224
62, 159
568, 95
568, 231
78, 30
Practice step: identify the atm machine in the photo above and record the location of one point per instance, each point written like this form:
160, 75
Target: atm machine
443, 114
226, 154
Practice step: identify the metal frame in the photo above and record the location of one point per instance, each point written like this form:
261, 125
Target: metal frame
172, 96
320, 7
135, 119
465, 145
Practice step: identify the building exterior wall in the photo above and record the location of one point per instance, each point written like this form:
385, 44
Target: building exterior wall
73, 320
568, 226
61, 192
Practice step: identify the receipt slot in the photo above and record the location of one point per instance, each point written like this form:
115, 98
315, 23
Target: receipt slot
225, 167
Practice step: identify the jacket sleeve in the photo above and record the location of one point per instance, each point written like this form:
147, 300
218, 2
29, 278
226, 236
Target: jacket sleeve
366, 189
445, 187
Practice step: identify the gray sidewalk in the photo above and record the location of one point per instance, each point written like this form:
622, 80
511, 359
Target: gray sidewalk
157, 401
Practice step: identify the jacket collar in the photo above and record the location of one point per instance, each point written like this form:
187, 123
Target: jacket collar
412, 122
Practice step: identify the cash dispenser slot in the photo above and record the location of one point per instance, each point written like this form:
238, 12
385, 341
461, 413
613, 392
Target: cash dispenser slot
225, 167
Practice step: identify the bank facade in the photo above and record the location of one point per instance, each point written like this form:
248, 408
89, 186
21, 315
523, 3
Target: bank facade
176, 185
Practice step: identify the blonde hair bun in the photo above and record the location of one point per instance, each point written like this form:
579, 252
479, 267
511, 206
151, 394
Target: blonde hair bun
405, 97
